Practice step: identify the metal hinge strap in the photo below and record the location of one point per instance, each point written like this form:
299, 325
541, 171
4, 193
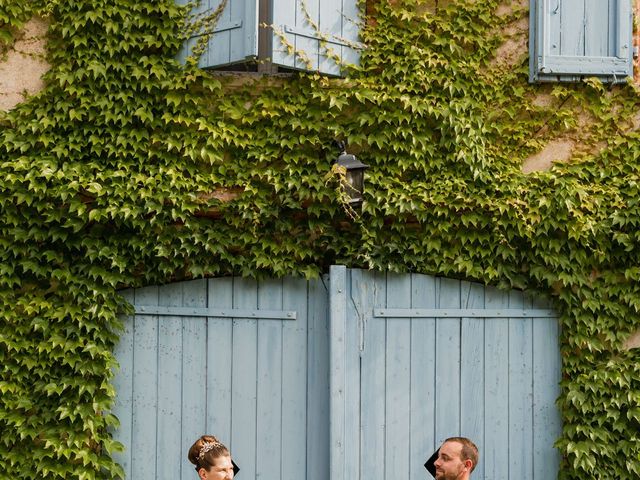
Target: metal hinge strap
215, 312
463, 313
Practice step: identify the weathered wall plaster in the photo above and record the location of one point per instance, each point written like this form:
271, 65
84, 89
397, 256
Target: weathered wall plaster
22, 69
513, 50
633, 341
555, 151
515, 47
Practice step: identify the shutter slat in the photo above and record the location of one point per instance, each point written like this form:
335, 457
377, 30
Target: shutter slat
625, 32
350, 32
572, 39
596, 29
322, 36
306, 43
571, 25
331, 21
233, 38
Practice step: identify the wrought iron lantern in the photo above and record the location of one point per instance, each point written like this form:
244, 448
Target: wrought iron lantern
353, 182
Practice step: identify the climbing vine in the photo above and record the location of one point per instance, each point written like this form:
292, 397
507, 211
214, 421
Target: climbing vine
131, 169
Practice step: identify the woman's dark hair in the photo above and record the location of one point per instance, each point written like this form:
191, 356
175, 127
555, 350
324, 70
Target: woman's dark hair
204, 452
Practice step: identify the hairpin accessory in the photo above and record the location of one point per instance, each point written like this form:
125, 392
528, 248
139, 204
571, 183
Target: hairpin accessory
207, 447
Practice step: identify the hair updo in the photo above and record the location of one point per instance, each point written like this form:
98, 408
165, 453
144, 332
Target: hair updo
204, 452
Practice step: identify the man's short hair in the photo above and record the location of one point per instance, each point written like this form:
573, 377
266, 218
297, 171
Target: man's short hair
469, 450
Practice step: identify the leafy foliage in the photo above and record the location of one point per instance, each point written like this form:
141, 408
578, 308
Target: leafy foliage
131, 169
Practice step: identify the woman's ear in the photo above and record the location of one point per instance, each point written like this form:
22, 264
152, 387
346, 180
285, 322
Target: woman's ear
202, 473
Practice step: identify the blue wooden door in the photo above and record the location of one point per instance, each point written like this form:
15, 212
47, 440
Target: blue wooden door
359, 381
246, 361
416, 359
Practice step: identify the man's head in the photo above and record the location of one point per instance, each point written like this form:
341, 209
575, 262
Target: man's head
457, 458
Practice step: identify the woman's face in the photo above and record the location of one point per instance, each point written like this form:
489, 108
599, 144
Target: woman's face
222, 469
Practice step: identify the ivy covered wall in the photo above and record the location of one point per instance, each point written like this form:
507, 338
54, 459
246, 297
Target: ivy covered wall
129, 169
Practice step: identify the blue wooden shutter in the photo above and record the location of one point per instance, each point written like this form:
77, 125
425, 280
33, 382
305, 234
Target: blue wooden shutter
572, 39
235, 35
316, 47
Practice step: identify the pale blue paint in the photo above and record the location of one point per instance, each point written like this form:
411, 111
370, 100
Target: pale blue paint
573, 39
296, 367
318, 375
328, 28
421, 380
194, 372
423, 371
123, 385
219, 355
447, 339
246, 380
169, 419
359, 397
365, 288
145, 392
398, 380
270, 389
472, 359
234, 37
341, 438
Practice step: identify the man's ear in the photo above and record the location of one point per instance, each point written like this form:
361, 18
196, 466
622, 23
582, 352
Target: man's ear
469, 464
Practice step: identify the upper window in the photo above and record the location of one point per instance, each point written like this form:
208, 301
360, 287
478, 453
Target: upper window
272, 35
573, 39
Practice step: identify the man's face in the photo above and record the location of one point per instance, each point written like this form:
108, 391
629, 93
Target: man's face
449, 465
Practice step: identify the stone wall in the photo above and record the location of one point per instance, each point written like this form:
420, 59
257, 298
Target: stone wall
22, 67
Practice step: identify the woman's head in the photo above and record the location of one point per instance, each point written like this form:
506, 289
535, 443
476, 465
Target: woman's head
211, 458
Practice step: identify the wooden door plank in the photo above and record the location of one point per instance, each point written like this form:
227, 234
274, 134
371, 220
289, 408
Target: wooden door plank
496, 440
338, 375
398, 380
520, 390
194, 370
546, 417
123, 385
295, 383
168, 458
244, 378
353, 339
145, 389
317, 427
269, 408
423, 376
370, 289
447, 362
472, 370
219, 358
